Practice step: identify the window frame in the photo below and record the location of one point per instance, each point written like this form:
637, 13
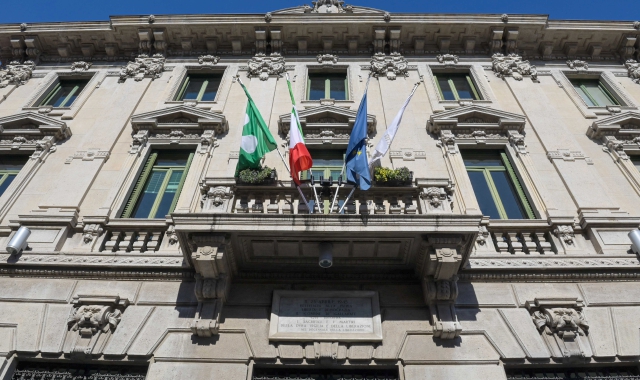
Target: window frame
326, 169
142, 179
183, 71
524, 202
328, 69
605, 91
327, 86
51, 80
452, 86
57, 87
185, 83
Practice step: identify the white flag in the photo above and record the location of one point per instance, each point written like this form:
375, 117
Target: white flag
386, 140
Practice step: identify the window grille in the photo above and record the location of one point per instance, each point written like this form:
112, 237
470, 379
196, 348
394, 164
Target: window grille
42, 371
317, 374
584, 373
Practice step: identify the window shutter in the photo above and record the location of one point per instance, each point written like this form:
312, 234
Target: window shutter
137, 189
184, 177
183, 88
516, 183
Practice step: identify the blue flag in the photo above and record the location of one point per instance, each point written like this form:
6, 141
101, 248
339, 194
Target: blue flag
356, 157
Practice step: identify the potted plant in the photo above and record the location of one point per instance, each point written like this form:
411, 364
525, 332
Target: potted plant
261, 176
392, 177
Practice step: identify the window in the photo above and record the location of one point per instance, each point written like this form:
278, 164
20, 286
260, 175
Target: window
600, 373
200, 87
323, 374
594, 93
158, 188
9, 168
68, 371
327, 86
636, 161
456, 86
64, 93
496, 185
326, 163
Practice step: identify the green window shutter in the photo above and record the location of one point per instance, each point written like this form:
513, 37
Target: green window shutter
53, 92
183, 88
184, 177
473, 88
137, 189
516, 183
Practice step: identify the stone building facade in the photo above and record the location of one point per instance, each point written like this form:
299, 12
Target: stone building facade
506, 253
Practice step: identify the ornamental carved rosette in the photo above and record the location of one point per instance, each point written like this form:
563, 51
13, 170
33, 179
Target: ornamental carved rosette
16, 73
512, 65
263, 66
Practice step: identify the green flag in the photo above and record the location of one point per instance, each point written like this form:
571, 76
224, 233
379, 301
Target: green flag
256, 138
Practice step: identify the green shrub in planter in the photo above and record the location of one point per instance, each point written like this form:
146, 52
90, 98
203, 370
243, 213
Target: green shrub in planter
257, 176
392, 177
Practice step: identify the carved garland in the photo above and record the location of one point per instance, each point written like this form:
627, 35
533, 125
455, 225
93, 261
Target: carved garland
143, 66
512, 65
16, 73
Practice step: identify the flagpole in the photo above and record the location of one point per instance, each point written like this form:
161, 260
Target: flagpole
315, 193
335, 196
304, 199
347, 200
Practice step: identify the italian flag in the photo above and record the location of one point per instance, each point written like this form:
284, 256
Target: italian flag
256, 138
299, 157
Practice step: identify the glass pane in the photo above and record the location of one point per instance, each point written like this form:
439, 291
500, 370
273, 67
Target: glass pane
447, 93
598, 94
148, 196
13, 162
483, 194
636, 161
169, 194
508, 195
337, 87
193, 88
172, 157
481, 158
8, 178
67, 94
316, 87
583, 95
196, 82
212, 89
462, 86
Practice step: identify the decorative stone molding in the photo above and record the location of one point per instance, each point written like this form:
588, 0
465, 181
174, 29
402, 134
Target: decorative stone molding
143, 67
88, 155
92, 322
387, 16
91, 232
31, 132
327, 59
440, 296
80, 66
634, 70
391, 66
563, 326
16, 73
436, 198
483, 235
567, 155
328, 6
578, 65
512, 65
447, 59
263, 66
216, 199
208, 60
565, 233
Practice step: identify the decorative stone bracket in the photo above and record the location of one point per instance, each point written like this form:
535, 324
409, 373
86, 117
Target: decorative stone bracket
213, 281
92, 321
563, 326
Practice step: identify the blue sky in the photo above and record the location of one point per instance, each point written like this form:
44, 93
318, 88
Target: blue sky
92, 10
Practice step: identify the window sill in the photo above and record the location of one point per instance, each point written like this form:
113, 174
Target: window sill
194, 103
610, 110
449, 104
48, 110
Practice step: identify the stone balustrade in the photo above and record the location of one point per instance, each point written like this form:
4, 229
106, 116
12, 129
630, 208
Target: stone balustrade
143, 236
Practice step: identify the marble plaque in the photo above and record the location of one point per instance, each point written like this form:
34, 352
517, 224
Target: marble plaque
334, 315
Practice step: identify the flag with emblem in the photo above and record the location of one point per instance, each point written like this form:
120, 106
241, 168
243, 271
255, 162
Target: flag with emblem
356, 164
256, 138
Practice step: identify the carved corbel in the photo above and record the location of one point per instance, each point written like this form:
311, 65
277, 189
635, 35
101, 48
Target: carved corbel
633, 67
91, 323
516, 139
216, 199
139, 141
563, 326
212, 282
440, 296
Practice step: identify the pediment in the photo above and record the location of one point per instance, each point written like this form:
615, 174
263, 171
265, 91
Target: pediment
33, 125
623, 124
181, 118
328, 117
476, 118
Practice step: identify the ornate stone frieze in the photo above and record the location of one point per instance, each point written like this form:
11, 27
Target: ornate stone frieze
578, 65
143, 66
92, 322
208, 60
634, 70
263, 66
16, 73
81, 66
563, 326
447, 59
569, 262
328, 6
327, 59
512, 65
391, 66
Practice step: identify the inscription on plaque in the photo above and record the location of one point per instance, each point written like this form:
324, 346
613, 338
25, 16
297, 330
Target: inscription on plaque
333, 315
299, 315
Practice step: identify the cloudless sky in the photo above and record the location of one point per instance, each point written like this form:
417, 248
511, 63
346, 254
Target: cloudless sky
19, 11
